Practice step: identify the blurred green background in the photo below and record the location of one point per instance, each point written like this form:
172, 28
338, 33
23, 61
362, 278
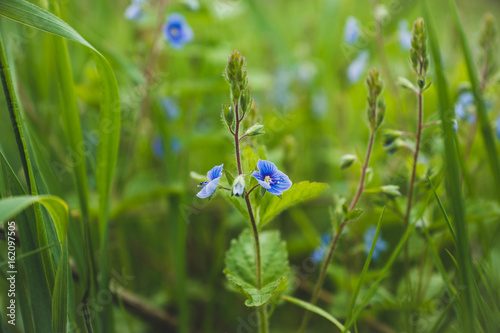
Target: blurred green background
169, 244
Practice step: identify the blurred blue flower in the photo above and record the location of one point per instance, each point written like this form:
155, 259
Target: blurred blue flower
464, 100
380, 246
210, 186
357, 67
405, 35
134, 11
351, 30
319, 105
320, 252
175, 145
455, 125
497, 125
281, 94
177, 31
170, 107
270, 178
157, 147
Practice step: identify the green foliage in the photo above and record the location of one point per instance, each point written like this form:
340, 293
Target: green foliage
270, 206
240, 266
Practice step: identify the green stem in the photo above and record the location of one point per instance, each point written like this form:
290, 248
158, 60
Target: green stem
258, 266
321, 279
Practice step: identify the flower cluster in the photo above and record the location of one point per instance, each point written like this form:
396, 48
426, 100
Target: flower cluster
268, 176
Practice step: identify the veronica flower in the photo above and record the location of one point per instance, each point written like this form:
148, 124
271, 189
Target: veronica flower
464, 100
157, 147
319, 104
497, 125
351, 30
270, 178
320, 252
380, 246
455, 125
133, 12
210, 186
405, 35
357, 67
177, 31
170, 107
175, 145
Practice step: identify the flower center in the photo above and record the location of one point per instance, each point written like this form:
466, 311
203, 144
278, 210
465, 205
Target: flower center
175, 31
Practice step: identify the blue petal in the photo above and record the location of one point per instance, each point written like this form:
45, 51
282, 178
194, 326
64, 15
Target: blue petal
260, 179
351, 30
274, 191
216, 172
133, 12
266, 168
357, 67
283, 184
209, 189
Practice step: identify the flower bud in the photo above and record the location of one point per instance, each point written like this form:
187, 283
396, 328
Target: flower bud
245, 102
255, 129
227, 116
392, 191
239, 186
419, 56
347, 160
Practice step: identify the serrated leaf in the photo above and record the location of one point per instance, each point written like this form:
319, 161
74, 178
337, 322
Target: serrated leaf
270, 206
240, 266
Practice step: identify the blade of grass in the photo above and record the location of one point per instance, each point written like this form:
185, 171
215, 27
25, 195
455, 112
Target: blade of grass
308, 306
454, 190
448, 223
384, 272
38, 291
484, 123
60, 295
365, 268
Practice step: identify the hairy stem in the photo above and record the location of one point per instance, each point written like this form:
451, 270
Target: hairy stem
321, 279
258, 267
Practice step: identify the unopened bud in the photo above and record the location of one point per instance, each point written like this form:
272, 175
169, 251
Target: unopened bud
239, 186
255, 129
347, 160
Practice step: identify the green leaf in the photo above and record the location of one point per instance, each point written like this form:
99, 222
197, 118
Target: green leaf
313, 308
57, 208
240, 266
270, 206
60, 295
354, 214
249, 160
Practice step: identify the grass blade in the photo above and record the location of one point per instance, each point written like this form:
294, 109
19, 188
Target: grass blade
484, 123
60, 295
313, 308
365, 268
454, 189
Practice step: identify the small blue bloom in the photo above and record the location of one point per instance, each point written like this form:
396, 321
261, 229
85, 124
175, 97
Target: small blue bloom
464, 100
497, 125
319, 105
320, 252
177, 31
380, 246
210, 186
157, 147
455, 125
404, 35
175, 145
357, 67
170, 107
133, 12
270, 178
351, 30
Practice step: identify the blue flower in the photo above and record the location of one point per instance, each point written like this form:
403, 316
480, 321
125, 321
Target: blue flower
319, 104
270, 178
497, 125
170, 107
133, 12
351, 30
405, 36
210, 186
175, 145
464, 100
455, 125
357, 67
177, 31
380, 246
320, 252
157, 147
